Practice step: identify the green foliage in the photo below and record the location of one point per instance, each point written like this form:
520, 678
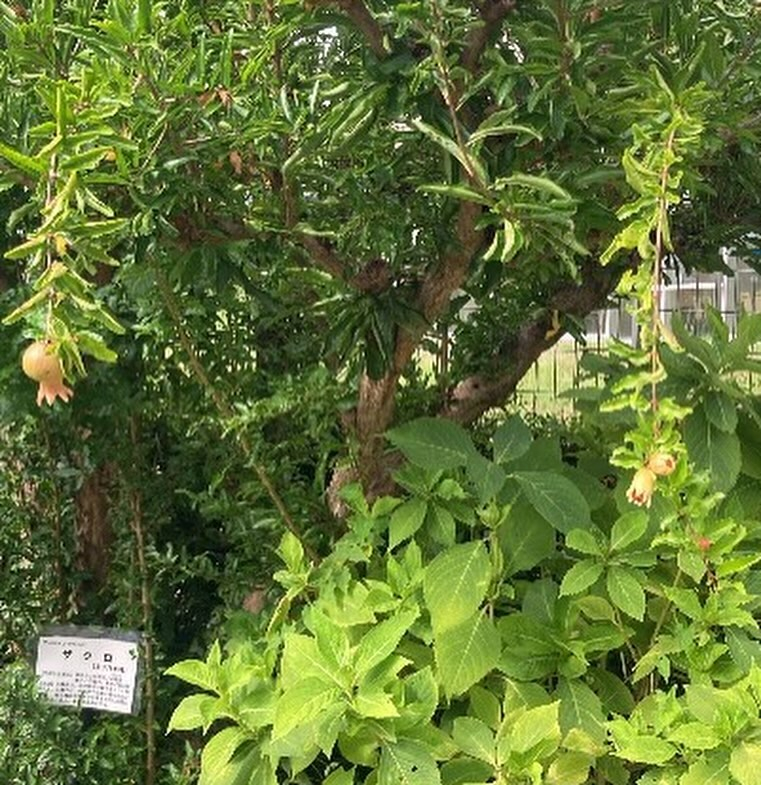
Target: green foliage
406, 655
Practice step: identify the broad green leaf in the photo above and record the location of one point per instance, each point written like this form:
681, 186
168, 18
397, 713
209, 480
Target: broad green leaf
628, 529
536, 726
720, 410
474, 738
300, 704
581, 709
626, 592
713, 450
374, 703
194, 672
745, 763
466, 653
581, 576
338, 777
525, 537
486, 475
613, 693
302, 659
188, 715
711, 770
455, 584
569, 768
555, 498
647, 749
695, 736
583, 541
381, 641
529, 651
511, 440
217, 754
433, 443
407, 762
406, 519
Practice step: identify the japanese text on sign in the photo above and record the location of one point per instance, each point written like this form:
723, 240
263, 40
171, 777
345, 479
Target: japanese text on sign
88, 671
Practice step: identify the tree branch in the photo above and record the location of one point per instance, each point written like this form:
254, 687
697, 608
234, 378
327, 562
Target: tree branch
365, 22
519, 350
492, 13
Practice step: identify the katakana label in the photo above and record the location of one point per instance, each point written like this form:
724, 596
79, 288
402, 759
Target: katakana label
89, 667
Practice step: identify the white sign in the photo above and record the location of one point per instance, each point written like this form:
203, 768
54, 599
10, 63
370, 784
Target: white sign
89, 668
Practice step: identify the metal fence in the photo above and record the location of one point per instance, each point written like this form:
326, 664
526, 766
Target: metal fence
690, 294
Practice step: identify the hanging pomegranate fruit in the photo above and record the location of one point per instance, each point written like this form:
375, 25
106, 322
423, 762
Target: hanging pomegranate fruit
40, 364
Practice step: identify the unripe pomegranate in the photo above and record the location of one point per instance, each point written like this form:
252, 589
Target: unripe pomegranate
41, 365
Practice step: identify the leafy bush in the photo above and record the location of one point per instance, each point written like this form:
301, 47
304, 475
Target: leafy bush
513, 618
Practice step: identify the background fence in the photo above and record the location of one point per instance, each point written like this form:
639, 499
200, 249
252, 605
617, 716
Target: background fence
557, 371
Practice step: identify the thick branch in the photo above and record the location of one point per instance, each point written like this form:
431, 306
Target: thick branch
519, 350
492, 13
365, 22
442, 280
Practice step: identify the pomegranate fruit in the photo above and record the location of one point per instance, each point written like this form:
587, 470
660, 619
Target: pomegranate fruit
40, 364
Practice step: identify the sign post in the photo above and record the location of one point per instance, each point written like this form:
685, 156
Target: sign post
89, 667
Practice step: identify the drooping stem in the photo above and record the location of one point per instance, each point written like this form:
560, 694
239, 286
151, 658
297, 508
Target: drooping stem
656, 280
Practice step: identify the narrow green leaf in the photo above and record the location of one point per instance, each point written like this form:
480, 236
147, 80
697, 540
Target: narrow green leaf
21, 161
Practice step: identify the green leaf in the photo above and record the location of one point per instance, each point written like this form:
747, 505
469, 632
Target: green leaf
712, 770
487, 476
474, 738
20, 161
628, 529
581, 709
301, 704
626, 592
695, 736
720, 410
92, 344
715, 451
583, 541
511, 440
339, 777
433, 443
466, 653
195, 672
647, 749
302, 659
457, 192
407, 762
581, 576
745, 763
27, 306
536, 726
189, 714
455, 584
217, 753
406, 519
525, 537
569, 768
555, 498
381, 641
